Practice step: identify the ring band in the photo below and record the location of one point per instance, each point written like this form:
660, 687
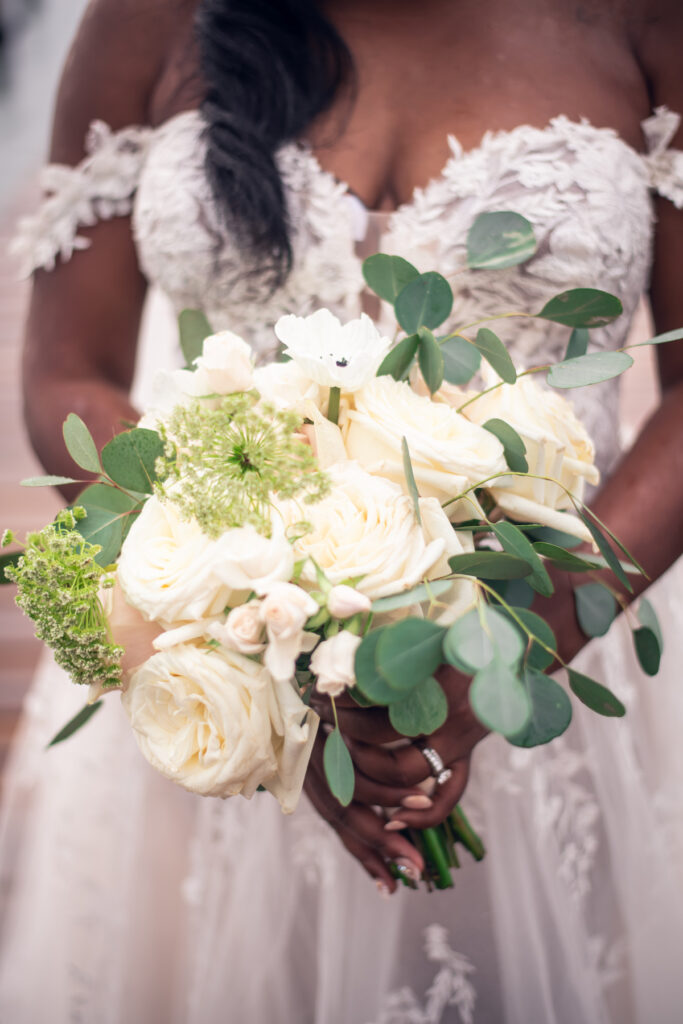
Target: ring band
438, 770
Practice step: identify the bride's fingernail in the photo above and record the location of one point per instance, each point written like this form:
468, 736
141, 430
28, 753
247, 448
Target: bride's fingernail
427, 785
383, 889
417, 802
395, 826
407, 868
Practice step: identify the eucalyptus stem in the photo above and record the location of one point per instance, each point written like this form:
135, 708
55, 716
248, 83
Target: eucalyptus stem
494, 387
465, 833
438, 856
333, 405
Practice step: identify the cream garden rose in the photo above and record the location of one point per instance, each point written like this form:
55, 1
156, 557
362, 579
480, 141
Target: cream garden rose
167, 568
287, 386
333, 354
215, 722
448, 452
284, 612
366, 528
243, 629
225, 365
247, 560
333, 663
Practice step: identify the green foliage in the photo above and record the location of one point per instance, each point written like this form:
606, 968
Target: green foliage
514, 448
398, 361
426, 301
513, 592
606, 551
430, 359
75, 723
193, 328
410, 480
648, 649
647, 616
582, 307
369, 680
513, 541
490, 565
481, 636
409, 652
595, 696
590, 369
562, 558
499, 239
388, 275
222, 465
79, 444
415, 595
461, 360
536, 632
110, 513
558, 537
578, 343
130, 459
48, 481
58, 582
339, 768
596, 608
661, 339
499, 699
551, 711
495, 353
8, 561
422, 711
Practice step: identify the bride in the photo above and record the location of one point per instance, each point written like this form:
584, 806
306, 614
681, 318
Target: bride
242, 156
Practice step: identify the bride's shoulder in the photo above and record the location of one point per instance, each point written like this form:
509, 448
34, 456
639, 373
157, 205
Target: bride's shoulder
118, 58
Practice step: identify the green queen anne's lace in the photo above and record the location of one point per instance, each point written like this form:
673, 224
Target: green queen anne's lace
223, 466
59, 583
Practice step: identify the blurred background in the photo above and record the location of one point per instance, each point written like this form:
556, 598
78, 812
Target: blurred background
34, 40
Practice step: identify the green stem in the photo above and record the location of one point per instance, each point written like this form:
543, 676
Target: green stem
438, 858
494, 387
466, 834
333, 405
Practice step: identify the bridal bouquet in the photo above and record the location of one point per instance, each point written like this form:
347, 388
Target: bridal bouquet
343, 521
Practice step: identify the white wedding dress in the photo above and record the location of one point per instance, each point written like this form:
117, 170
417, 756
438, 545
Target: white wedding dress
127, 899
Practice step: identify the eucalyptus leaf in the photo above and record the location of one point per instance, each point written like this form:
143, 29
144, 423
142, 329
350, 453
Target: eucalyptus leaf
415, 595
661, 339
492, 565
108, 518
499, 700
430, 359
388, 275
426, 301
552, 536
647, 649
80, 444
339, 768
551, 711
368, 679
8, 559
537, 656
398, 361
606, 551
76, 723
596, 608
499, 239
582, 307
48, 481
480, 636
514, 446
595, 696
514, 592
409, 652
422, 712
495, 353
514, 542
563, 559
129, 459
194, 328
590, 369
410, 480
578, 343
461, 360
647, 616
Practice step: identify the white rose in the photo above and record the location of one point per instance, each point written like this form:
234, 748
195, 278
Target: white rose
215, 723
448, 453
246, 560
344, 601
170, 388
557, 445
225, 365
366, 527
334, 355
167, 567
333, 663
242, 630
285, 611
286, 386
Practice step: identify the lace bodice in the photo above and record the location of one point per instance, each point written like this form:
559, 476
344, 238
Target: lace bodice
586, 192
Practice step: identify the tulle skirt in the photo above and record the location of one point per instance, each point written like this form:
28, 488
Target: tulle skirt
126, 899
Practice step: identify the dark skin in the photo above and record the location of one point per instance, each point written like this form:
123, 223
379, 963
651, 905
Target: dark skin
491, 66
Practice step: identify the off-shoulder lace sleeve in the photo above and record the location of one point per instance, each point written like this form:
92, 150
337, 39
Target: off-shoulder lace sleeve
100, 187
665, 165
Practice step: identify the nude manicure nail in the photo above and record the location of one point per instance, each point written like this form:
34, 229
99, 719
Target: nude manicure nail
395, 825
383, 889
417, 802
408, 868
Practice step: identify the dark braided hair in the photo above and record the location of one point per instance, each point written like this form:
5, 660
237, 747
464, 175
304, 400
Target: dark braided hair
269, 67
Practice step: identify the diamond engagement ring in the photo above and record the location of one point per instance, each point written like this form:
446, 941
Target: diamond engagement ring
433, 759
